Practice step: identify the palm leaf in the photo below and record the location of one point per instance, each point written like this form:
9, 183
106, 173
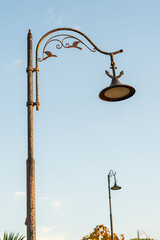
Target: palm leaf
12, 236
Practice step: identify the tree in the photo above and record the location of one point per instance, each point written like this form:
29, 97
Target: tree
101, 232
12, 236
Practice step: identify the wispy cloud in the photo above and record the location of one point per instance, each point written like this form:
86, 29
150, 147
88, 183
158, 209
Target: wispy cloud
43, 198
15, 63
78, 27
53, 236
44, 229
46, 233
19, 194
58, 20
56, 205
51, 14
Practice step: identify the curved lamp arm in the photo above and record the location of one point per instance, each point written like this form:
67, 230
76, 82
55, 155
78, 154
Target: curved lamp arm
111, 173
59, 46
77, 31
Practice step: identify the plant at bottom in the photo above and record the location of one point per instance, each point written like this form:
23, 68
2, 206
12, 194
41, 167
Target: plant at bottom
12, 236
101, 232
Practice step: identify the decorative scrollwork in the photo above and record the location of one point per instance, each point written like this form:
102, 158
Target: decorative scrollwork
61, 43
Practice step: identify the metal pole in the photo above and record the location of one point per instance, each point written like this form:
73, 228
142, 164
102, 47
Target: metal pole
110, 207
31, 226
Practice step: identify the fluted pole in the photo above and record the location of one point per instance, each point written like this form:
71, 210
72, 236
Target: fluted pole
31, 226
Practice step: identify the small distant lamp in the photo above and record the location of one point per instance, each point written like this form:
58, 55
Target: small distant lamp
115, 187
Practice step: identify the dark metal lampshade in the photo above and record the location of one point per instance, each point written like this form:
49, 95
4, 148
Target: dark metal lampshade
116, 187
116, 91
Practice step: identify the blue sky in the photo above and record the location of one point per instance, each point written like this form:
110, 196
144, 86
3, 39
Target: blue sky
77, 137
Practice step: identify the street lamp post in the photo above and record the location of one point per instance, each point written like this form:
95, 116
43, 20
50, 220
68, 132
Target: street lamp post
115, 187
30, 222
115, 92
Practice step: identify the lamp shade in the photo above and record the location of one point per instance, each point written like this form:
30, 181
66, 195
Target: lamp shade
116, 187
116, 91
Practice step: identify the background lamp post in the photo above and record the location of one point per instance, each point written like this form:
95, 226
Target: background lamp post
115, 187
115, 92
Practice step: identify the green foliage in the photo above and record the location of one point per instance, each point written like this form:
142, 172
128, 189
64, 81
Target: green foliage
12, 236
101, 232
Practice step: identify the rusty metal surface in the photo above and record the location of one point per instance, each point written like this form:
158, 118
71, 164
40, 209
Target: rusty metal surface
75, 44
61, 43
31, 226
115, 84
113, 69
79, 32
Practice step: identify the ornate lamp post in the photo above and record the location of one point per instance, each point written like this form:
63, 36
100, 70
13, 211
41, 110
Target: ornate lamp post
115, 187
115, 92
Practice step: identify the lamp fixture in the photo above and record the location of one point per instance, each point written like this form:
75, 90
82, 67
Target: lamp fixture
116, 91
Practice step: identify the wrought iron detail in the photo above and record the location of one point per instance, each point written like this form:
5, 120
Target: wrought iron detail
60, 40
113, 69
62, 43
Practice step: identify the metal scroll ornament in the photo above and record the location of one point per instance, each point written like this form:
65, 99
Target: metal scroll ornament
60, 43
